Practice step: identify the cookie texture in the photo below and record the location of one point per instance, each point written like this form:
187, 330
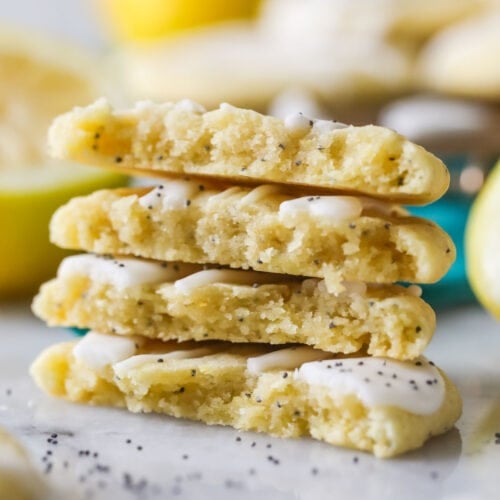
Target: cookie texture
380, 320
244, 146
244, 228
216, 384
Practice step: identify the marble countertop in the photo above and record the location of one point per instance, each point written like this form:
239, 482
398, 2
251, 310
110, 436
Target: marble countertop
101, 453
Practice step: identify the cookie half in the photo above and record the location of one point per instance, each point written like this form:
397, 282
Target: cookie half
337, 238
244, 146
376, 404
176, 302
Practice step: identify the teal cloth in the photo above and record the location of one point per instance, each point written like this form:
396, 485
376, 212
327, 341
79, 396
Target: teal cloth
451, 213
79, 331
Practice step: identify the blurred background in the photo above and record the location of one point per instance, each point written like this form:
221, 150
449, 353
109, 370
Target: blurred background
429, 69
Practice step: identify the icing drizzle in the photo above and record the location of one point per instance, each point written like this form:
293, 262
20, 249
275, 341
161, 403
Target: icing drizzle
127, 272
171, 195
334, 207
284, 359
227, 276
98, 350
123, 366
299, 123
415, 386
178, 194
123, 272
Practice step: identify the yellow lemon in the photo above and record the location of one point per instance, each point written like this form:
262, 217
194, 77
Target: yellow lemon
150, 19
28, 197
39, 79
482, 243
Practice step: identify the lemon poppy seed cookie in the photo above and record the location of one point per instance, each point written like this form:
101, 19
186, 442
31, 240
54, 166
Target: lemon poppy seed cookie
245, 146
463, 59
249, 65
337, 238
179, 302
374, 404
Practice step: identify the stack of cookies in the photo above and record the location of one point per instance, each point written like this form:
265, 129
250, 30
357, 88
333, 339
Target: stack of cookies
256, 286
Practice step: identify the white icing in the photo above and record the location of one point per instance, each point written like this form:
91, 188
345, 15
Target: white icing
339, 208
298, 123
324, 126
259, 193
171, 195
190, 106
177, 194
230, 276
123, 366
415, 386
285, 359
122, 272
97, 350
336, 207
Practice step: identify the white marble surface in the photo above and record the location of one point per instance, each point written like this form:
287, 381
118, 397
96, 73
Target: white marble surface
188, 460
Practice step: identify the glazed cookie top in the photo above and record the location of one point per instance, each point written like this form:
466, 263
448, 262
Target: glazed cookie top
243, 146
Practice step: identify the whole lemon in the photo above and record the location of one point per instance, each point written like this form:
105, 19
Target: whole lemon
150, 19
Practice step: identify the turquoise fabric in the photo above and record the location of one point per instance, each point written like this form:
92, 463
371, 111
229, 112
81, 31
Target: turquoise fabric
79, 331
451, 213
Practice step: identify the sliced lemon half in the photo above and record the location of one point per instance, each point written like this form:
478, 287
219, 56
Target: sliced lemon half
40, 78
482, 244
